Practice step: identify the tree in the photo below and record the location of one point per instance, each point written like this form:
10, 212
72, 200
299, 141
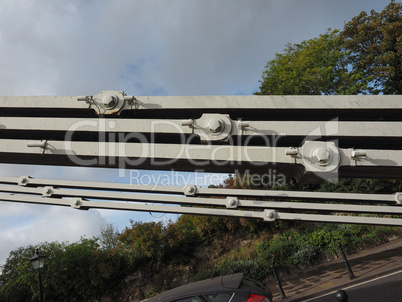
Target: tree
374, 43
314, 67
108, 237
364, 58
73, 272
18, 279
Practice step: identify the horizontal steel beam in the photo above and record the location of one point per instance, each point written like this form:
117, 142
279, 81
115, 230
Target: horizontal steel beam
253, 128
199, 102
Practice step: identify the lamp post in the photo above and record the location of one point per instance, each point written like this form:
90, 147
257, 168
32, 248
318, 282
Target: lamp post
38, 261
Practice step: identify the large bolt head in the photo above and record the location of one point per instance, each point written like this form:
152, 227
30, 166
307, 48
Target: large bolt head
321, 156
216, 126
109, 101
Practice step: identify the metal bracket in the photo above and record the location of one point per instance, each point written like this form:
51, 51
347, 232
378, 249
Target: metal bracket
108, 102
213, 127
318, 156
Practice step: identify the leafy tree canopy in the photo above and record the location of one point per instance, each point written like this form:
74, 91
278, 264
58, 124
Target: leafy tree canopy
374, 43
364, 58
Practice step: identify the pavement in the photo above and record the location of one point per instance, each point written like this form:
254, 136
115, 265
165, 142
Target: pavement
333, 275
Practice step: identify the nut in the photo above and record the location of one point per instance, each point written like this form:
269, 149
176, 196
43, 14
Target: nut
321, 156
190, 190
216, 126
232, 202
109, 101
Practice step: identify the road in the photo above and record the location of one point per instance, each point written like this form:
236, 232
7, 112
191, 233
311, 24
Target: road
386, 288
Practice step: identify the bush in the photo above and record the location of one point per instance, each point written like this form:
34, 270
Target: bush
305, 256
250, 268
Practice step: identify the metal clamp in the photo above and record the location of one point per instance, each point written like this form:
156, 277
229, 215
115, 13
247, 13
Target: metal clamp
232, 202
213, 127
107, 102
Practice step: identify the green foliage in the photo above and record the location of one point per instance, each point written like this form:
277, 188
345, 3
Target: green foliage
72, 272
364, 58
108, 237
374, 43
314, 67
18, 280
143, 242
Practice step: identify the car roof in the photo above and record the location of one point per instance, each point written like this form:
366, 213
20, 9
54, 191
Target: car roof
218, 284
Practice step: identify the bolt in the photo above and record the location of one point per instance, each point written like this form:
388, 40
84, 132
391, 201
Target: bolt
232, 202
215, 126
271, 215
23, 181
109, 101
76, 203
48, 191
398, 198
321, 156
190, 190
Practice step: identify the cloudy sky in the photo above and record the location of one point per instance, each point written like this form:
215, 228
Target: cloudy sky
153, 47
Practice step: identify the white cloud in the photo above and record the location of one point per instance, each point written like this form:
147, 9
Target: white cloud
23, 225
152, 47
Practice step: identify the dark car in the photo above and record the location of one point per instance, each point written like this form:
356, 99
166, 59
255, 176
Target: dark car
229, 288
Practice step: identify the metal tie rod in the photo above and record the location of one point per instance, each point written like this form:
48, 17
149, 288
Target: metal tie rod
195, 191
229, 202
266, 215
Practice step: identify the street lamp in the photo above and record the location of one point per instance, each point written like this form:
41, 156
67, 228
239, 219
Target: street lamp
38, 261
